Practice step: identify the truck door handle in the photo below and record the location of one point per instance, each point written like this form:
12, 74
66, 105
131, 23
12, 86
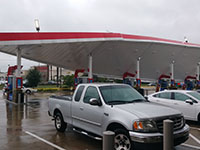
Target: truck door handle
175, 103
81, 108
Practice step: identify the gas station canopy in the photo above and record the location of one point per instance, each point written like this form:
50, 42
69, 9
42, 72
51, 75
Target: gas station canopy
113, 54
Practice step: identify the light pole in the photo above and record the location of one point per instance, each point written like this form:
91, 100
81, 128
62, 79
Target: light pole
37, 25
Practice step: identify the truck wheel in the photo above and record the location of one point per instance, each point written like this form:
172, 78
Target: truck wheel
122, 140
59, 123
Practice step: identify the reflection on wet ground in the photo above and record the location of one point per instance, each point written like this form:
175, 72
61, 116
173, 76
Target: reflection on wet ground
16, 120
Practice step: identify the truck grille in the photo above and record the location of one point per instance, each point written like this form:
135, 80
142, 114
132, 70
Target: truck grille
178, 123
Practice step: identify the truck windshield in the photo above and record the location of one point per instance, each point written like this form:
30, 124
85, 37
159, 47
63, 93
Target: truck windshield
120, 94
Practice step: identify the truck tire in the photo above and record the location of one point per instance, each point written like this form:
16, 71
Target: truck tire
59, 123
122, 140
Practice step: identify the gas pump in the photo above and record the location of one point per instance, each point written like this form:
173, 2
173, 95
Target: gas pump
198, 84
10, 82
14, 84
197, 76
83, 79
138, 83
163, 82
129, 78
189, 83
19, 83
10, 87
172, 83
77, 80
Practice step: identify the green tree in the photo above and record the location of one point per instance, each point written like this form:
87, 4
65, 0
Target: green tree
33, 77
69, 80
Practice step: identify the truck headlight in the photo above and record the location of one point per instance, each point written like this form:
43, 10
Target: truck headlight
145, 126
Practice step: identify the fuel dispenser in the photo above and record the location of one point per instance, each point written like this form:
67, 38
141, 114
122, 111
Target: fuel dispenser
10, 87
77, 80
198, 84
19, 83
83, 79
14, 85
173, 83
189, 83
163, 82
138, 83
129, 78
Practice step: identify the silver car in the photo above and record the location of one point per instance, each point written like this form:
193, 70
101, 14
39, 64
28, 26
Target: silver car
188, 102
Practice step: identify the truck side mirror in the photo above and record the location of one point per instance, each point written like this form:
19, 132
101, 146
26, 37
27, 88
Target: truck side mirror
95, 102
189, 101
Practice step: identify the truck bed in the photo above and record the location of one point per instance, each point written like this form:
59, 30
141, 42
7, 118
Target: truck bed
63, 103
62, 97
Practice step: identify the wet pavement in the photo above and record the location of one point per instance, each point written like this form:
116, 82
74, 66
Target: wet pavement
28, 126
16, 121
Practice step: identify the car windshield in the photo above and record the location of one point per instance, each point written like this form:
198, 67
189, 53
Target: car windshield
194, 94
120, 94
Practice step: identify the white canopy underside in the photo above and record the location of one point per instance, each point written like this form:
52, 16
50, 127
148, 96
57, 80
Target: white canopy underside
111, 56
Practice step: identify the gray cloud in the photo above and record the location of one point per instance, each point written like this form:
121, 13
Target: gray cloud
172, 19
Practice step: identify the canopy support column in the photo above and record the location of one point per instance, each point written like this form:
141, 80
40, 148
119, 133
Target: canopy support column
197, 75
172, 74
90, 77
18, 73
17, 95
138, 81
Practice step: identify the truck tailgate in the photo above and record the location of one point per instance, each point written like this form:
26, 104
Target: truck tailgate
63, 104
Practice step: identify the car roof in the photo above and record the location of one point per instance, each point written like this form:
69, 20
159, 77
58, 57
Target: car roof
180, 91
102, 84
183, 91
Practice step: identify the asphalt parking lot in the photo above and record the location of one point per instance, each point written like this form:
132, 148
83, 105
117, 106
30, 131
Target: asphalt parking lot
28, 126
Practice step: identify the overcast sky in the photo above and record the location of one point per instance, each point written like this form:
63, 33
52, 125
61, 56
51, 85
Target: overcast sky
171, 19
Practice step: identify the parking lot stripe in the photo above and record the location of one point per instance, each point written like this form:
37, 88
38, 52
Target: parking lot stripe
194, 128
45, 141
191, 146
194, 138
11, 102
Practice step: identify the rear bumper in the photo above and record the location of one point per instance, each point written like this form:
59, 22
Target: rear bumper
180, 136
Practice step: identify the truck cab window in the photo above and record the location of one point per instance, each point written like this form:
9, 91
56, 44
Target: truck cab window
90, 93
79, 93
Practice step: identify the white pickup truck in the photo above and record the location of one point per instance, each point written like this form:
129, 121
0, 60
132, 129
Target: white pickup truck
95, 108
